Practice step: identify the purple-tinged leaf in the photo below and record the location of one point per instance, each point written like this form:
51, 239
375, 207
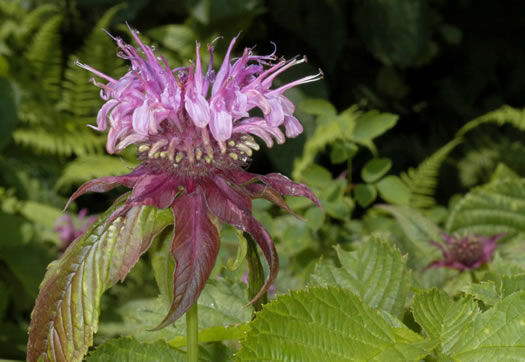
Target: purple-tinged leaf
155, 190
224, 203
66, 311
195, 247
105, 184
258, 191
288, 188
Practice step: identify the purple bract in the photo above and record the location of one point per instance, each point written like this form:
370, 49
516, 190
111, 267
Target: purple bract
194, 136
465, 252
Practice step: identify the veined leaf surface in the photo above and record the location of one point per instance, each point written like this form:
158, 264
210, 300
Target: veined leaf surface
67, 309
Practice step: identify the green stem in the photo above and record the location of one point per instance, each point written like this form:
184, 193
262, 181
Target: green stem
192, 333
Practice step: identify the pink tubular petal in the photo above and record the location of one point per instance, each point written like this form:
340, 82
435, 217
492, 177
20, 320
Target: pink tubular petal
141, 119
103, 114
195, 248
198, 110
276, 117
292, 126
223, 70
221, 124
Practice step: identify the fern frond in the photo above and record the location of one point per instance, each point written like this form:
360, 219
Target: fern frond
479, 164
80, 98
58, 142
423, 180
33, 20
501, 116
45, 57
89, 167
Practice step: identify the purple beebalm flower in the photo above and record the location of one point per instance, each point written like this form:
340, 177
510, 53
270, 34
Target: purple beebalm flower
67, 229
465, 252
194, 136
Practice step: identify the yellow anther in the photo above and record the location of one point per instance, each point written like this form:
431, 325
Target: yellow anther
207, 159
245, 149
198, 154
252, 145
234, 156
164, 154
231, 143
143, 148
179, 157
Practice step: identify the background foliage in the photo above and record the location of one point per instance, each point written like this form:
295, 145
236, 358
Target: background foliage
417, 127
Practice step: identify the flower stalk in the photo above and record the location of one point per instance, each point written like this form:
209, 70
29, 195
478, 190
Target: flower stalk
192, 333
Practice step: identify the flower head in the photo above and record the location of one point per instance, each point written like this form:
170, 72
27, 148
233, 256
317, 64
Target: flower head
194, 136
465, 252
67, 229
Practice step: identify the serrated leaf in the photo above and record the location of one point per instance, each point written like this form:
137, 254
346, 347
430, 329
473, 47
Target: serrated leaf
498, 207
377, 273
327, 324
393, 190
484, 291
496, 335
419, 231
375, 169
512, 284
129, 349
443, 318
365, 194
66, 311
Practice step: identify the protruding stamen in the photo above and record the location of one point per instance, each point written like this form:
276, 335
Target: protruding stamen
198, 154
234, 156
252, 145
143, 148
245, 149
179, 157
157, 147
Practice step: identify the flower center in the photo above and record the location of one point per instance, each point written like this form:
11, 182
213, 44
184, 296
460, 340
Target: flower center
467, 249
196, 157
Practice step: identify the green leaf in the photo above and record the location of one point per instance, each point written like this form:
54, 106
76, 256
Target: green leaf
497, 334
318, 107
372, 125
365, 194
129, 349
343, 150
317, 176
375, 169
67, 308
314, 218
419, 231
393, 190
443, 318
484, 291
377, 273
498, 207
327, 324
512, 284
234, 264
8, 116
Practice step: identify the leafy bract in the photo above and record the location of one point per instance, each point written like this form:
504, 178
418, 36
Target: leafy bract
66, 311
129, 349
328, 324
377, 273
